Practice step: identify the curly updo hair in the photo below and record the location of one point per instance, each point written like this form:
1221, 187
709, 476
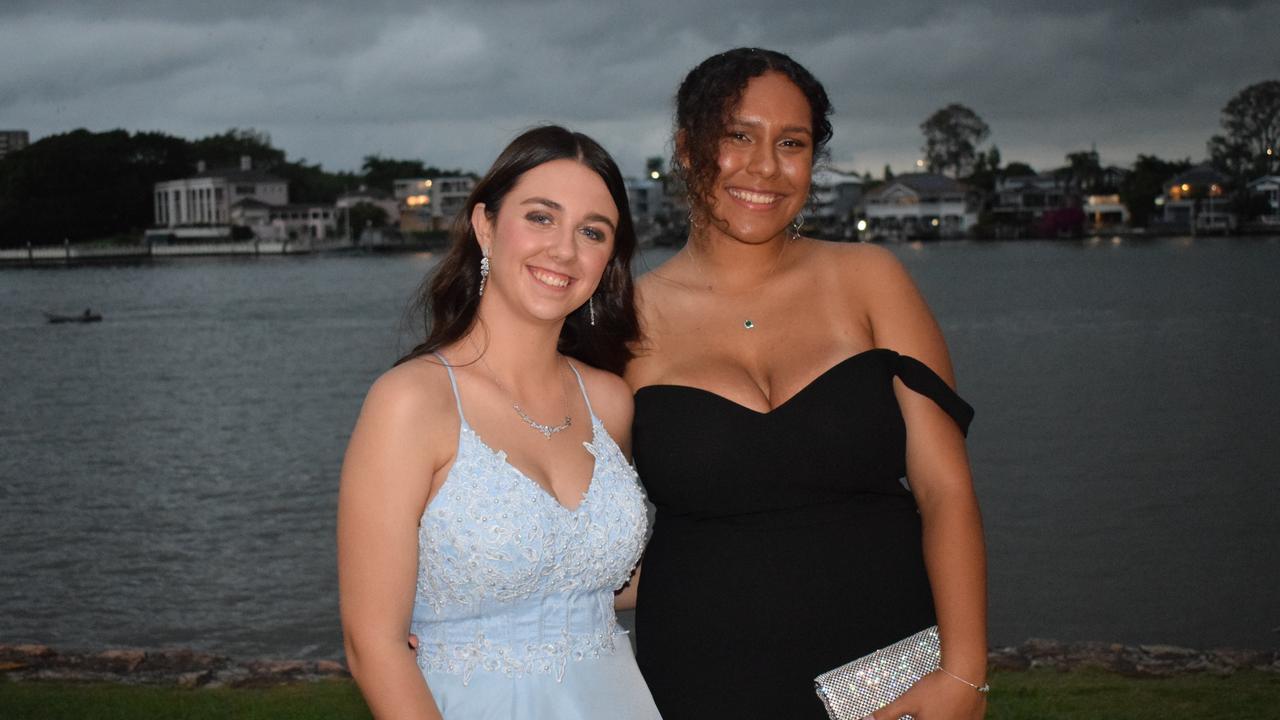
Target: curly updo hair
705, 103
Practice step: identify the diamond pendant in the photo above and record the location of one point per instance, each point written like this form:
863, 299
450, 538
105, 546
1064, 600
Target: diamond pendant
749, 325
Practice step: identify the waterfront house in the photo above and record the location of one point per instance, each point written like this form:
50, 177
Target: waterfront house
199, 207
1267, 188
424, 204
1041, 205
1197, 201
920, 205
1105, 212
302, 221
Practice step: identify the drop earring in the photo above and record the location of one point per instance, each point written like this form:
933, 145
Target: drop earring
796, 225
591, 310
484, 271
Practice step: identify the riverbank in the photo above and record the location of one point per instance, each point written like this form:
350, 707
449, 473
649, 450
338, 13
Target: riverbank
187, 668
81, 254
1062, 683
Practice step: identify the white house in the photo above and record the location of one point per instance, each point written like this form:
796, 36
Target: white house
286, 222
921, 205
200, 206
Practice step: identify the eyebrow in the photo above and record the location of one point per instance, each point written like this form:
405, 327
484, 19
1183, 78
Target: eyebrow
592, 217
786, 129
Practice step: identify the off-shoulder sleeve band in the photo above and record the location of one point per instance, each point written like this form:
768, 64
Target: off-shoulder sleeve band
922, 379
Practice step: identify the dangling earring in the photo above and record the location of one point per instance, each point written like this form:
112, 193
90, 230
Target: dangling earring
591, 310
484, 272
796, 225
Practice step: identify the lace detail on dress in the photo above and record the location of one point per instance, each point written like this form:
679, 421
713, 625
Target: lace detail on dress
513, 659
510, 580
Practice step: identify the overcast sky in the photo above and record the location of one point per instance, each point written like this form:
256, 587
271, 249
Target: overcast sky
450, 82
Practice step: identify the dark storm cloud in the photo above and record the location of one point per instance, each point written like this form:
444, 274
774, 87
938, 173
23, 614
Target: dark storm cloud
450, 81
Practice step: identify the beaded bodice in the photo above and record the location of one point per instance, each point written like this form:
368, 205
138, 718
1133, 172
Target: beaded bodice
510, 580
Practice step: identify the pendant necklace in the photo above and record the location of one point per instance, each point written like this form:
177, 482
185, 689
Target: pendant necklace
747, 323
546, 430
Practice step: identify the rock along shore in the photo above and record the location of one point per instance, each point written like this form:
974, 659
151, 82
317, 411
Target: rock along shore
187, 668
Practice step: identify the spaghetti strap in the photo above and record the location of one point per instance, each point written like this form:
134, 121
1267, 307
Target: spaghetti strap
453, 381
583, 388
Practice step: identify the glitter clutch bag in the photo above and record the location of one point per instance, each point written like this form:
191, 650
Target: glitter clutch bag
859, 688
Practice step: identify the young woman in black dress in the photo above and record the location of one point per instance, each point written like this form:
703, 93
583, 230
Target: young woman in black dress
784, 387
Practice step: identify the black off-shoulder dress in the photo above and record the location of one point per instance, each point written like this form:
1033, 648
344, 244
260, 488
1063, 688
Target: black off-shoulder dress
784, 544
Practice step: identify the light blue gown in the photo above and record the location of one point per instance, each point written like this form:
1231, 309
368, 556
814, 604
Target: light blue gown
514, 602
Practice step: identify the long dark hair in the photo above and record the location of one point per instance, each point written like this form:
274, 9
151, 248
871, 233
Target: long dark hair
449, 298
708, 96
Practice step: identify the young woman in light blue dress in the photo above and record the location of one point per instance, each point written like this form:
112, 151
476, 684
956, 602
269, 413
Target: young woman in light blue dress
487, 505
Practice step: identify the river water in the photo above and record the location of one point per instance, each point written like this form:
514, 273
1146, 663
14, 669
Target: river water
168, 476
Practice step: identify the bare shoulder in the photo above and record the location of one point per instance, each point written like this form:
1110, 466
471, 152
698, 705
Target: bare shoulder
860, 262
417, 388
900, 318
406, 432
411, 408
610, 398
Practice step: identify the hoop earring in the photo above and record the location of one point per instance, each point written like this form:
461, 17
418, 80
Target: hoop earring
796, 225
591, 310
484, 272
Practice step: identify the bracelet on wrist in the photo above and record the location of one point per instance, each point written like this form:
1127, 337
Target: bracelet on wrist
984, 688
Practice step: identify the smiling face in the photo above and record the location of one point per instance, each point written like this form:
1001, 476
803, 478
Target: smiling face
549, 242
765, 161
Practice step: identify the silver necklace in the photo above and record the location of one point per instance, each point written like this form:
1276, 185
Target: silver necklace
546, 430
747, 323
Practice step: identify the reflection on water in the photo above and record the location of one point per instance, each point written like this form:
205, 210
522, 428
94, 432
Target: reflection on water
169, 474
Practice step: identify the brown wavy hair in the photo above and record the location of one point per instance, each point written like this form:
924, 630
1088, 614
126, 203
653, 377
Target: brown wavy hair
705, 103
449, 298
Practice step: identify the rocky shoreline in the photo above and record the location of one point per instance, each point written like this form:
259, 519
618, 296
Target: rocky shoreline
191, 669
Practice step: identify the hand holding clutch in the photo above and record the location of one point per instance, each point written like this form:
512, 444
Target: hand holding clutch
860, 688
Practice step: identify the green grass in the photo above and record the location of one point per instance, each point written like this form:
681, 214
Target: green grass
1036, 695
1096, 695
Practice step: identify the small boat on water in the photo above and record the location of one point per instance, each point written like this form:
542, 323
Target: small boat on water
87, 316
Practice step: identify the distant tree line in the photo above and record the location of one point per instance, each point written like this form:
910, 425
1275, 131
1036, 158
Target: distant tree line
1249, 147
84, 185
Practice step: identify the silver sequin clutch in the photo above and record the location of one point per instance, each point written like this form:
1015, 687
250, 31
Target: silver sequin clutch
857, 689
